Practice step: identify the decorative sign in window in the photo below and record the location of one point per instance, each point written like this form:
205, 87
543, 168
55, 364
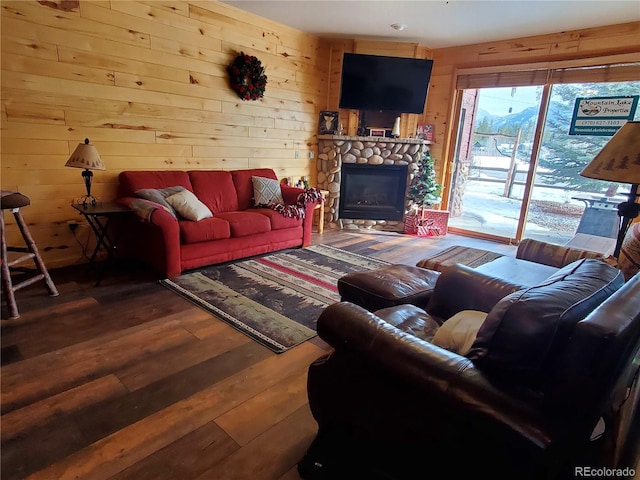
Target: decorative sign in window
602, 115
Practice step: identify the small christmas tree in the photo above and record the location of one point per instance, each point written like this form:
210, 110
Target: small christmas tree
424, 191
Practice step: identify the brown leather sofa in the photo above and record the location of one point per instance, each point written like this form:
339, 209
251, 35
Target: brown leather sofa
550, 365
402, 284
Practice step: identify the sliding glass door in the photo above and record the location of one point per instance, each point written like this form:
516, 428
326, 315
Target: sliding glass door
493, 158
516, 169
563, 204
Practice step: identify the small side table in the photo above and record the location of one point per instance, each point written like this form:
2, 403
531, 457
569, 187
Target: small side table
320, 209
99, 218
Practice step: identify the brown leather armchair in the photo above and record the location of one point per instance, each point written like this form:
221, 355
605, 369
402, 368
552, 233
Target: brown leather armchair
391, 405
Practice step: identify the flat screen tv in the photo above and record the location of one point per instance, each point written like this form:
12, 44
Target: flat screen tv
374, 82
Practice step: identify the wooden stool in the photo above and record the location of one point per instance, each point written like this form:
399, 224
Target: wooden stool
13, 201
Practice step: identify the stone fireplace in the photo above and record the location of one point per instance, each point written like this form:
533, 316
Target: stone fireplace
361, 156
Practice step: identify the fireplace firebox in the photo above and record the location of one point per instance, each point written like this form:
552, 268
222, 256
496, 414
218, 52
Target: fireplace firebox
372, 192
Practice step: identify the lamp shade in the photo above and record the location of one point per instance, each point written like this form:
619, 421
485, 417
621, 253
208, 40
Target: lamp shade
85, 156
619, 159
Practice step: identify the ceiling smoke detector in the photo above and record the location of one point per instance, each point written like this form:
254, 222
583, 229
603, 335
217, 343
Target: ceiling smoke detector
398, 26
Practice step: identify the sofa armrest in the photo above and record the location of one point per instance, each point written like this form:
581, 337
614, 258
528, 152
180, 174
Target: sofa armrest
436, 376
158, 216
347, 325
156, 239
290, 194
550, 254
462, 288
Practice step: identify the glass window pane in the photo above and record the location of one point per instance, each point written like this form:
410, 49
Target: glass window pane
492, 159
563, 203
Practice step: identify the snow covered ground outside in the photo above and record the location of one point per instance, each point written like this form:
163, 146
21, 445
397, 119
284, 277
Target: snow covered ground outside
553, 216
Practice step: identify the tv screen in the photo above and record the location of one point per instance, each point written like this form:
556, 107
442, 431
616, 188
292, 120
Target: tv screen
374, 82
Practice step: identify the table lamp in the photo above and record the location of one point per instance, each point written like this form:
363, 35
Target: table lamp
619, 161
86, 156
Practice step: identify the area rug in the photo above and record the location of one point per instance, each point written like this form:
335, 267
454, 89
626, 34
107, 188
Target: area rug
471, 257
276, 298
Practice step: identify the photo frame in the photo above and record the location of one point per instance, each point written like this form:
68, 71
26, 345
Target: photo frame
377, 132
426, 132
328, 122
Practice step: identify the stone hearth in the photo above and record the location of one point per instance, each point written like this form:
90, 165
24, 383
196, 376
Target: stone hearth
334, 150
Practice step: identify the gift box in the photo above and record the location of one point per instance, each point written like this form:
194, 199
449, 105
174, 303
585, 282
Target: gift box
427, 223
439, 218
411, 224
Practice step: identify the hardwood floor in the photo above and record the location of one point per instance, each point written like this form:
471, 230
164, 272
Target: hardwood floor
130, 381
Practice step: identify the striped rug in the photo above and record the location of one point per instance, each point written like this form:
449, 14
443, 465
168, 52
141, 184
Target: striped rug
471, 257
276, 298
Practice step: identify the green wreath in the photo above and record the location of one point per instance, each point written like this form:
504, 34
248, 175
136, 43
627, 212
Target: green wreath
247, 77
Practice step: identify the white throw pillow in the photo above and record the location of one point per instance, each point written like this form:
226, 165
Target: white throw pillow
188, 206
266, 191
459, 332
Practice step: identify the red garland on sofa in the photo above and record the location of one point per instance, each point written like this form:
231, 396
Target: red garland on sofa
310, 195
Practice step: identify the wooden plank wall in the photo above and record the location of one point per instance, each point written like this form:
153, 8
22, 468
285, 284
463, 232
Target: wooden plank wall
146, 82
573, 46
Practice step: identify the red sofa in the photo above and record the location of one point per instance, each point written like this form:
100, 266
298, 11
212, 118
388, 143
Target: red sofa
236, 230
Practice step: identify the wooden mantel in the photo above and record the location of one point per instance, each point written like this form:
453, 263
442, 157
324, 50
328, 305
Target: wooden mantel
375, 139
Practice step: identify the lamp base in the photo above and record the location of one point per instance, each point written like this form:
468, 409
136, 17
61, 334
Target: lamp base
627, 211
87, 201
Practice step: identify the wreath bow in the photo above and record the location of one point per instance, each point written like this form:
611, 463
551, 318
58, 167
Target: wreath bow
247, 77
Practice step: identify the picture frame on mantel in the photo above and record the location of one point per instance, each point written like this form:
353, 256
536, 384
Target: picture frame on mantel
426, 132
376, 132
328, 122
